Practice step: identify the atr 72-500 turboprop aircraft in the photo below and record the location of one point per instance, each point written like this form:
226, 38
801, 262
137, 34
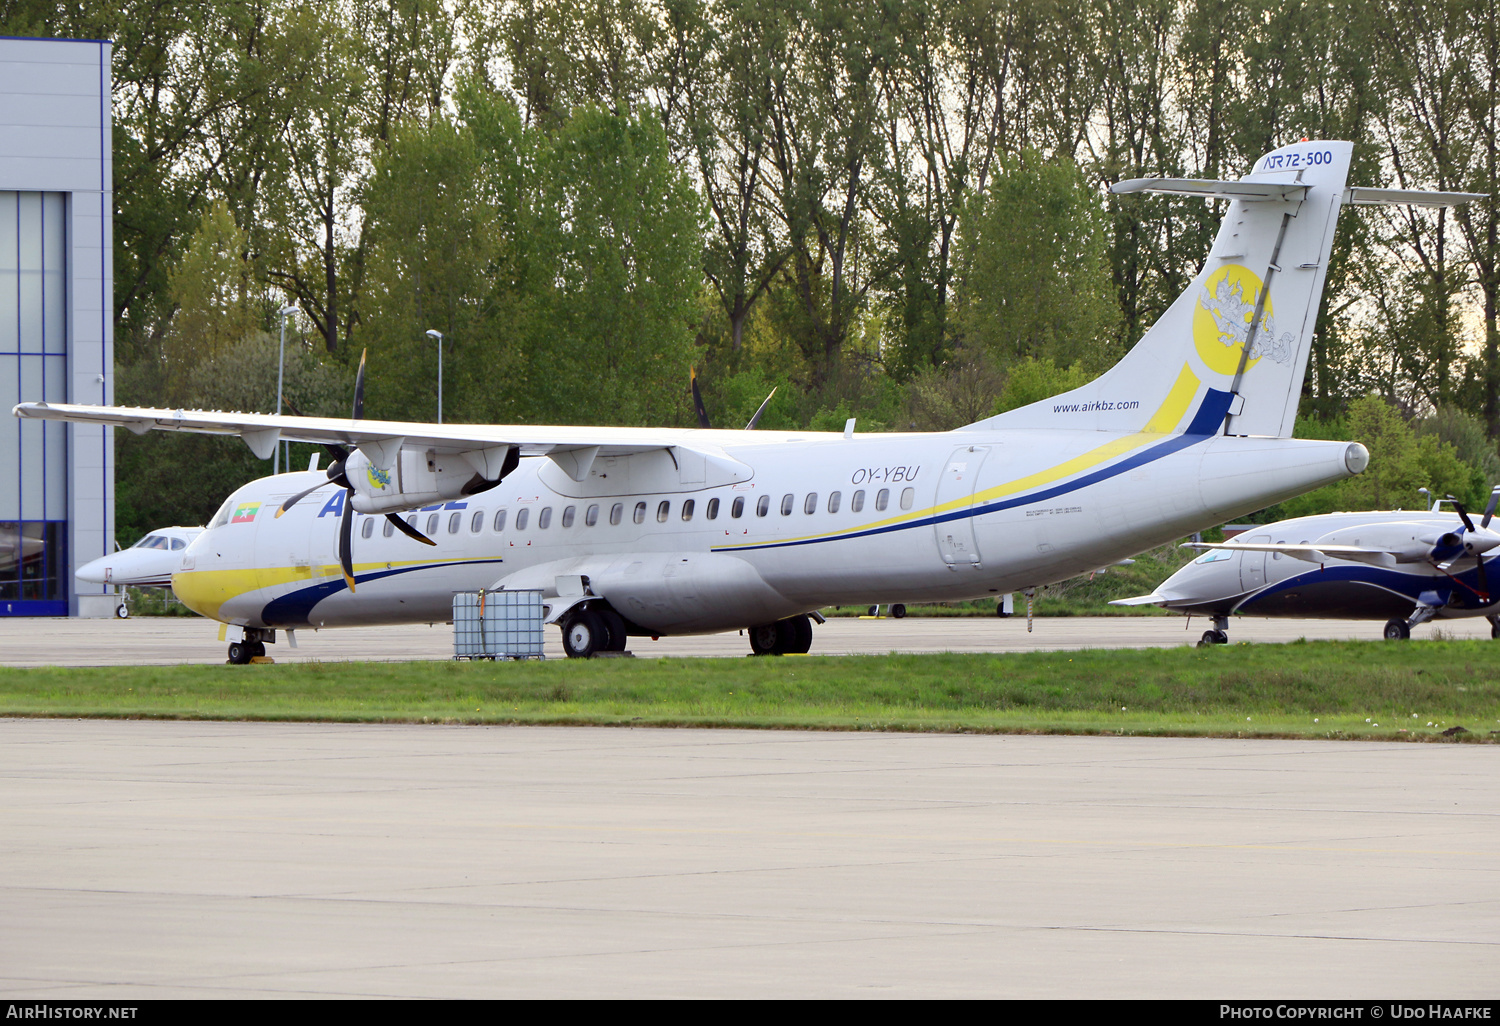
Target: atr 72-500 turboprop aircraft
637, 531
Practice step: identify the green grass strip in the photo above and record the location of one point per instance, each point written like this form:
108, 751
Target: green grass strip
1319, 689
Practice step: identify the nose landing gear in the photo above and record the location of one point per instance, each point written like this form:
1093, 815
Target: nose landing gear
1218, 636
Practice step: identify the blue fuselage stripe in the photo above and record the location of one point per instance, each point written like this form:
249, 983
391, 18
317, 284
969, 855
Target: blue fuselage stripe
1204, 424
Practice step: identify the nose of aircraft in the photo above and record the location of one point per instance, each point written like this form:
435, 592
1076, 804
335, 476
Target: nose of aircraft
96, 571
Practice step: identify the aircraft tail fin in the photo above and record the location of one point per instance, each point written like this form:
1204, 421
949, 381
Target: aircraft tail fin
1229, 355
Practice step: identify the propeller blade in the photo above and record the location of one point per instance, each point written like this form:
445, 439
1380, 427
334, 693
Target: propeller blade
359, 387
1484, 583
698, 400
1489, 510
756, 419
289, 503
1463, 514
346, 540
408, 530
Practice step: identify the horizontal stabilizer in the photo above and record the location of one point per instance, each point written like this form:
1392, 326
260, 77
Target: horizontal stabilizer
1213, 189
1361, 197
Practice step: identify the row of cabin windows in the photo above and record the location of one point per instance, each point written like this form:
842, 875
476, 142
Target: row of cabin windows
638, 515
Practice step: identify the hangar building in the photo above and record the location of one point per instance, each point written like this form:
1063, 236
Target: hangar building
57, 495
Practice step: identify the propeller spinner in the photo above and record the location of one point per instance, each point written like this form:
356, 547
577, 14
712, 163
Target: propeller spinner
336, 475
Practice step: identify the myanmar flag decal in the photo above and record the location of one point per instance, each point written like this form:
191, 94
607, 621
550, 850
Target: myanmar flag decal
245, 512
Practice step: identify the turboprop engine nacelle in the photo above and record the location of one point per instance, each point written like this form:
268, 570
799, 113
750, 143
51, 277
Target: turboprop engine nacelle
416, 479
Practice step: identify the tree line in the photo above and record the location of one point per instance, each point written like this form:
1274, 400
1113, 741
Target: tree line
896, 210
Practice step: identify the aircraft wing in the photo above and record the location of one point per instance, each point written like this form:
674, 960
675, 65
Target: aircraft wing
1140, 600
1309, 553
573, 448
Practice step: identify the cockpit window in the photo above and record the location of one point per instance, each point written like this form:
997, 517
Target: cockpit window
222, 517
178, 543
1214, 556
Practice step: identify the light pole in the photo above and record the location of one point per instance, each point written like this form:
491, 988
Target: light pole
280, 373
434, 333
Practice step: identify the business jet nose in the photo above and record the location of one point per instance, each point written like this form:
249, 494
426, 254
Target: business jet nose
95, 571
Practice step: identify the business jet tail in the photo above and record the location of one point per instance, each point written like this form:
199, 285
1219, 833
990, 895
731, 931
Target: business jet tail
1229, 355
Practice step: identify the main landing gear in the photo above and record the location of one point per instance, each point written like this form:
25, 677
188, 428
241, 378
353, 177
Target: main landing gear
591, 629
1400, 630
792, 636
1218, 636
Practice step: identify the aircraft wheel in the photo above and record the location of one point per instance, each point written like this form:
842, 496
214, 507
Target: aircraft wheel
1495, 630
614, 626
122, 612
1396, 630
1213, 638
874, 610
257, 648
764, 639
899, 611
239, 653
584, 634
795, 635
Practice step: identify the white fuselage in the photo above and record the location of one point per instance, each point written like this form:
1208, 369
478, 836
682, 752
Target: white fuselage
916, 517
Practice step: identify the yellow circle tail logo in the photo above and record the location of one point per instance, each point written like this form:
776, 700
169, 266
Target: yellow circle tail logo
379, 479
1221, 322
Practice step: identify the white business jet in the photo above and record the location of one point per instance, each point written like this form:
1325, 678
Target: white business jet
1402, 567
149, 563
642, 531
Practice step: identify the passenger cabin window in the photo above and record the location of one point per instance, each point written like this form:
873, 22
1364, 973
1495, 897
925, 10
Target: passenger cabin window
763, 506
591, 515
454, 521
616, 514
640, 513
908, 496
499, 520
810, 504
882, 499
833, 502
857, 502
713, 509
567, 520
388, 530
787, 502
368, 529
663, 510
737, 508
687, 509
477, 523
544, 518
522, 515
432, 522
